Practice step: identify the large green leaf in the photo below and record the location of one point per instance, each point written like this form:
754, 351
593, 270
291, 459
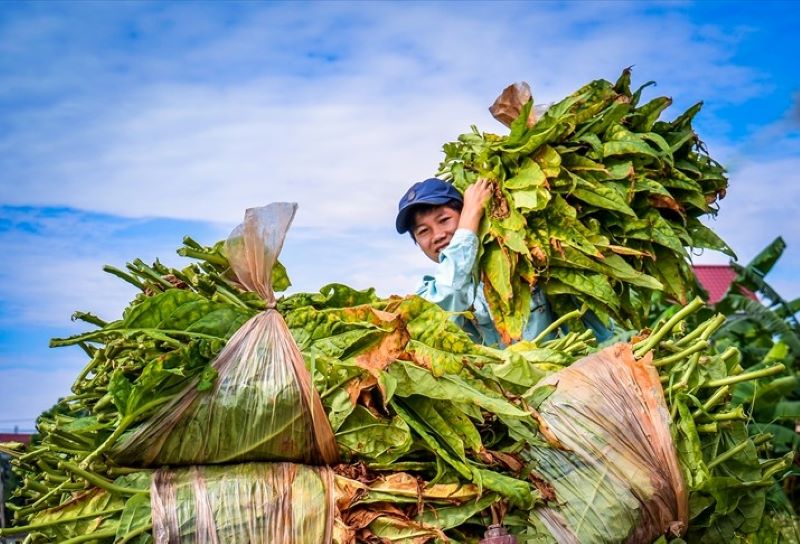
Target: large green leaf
531, 200
156, 309
593, 285
447, 517
510, 319
332, 295
610, 265
702, 236
625, 148
654, 228
498, 266
684, 120
671, 271
529, 176
440, 361
137, 517
427, 411
601, 196
436, 342
645, 116
331, 332
549, 160
378, 440
591, 99
762, 263
413, 380
88, 512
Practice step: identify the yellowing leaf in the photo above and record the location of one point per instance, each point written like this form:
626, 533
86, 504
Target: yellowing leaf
498, 267
549, 160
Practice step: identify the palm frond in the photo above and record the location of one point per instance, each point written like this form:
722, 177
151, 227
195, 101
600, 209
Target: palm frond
770, 321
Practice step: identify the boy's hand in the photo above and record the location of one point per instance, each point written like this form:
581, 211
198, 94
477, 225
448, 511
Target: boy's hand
475, 197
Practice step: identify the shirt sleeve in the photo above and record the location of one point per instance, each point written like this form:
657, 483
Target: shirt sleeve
601, 331
451, 285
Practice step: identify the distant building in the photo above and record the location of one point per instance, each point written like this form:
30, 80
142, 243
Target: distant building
716, 278
8, 437
24, 438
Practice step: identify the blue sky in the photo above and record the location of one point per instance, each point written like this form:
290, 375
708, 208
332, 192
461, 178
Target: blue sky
125, 125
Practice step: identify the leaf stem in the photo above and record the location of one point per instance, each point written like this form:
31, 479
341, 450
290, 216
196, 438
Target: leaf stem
28, 528
747, 376
781, 464
49, 494
674, 358
684, 379
99, 481
652, 341
735, 414
712, 401
556, 324
715, 323
708, 428
133, 534
202, 255
139, 266
97, 535
756, 441
123, 275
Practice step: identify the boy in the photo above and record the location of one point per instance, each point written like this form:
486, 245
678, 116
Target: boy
445, 225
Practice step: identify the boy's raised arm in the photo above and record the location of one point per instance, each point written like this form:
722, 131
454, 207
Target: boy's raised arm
450, 286
475, 197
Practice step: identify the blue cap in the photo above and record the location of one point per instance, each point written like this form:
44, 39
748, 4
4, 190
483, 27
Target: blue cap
431, 191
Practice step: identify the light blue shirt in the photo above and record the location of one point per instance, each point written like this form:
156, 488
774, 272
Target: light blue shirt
453, 289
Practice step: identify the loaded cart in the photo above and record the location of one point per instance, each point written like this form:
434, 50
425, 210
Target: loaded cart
213, 410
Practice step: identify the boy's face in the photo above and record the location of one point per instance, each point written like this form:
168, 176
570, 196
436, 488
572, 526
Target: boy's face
434, 228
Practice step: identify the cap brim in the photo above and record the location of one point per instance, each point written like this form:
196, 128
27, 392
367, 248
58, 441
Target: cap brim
405, 213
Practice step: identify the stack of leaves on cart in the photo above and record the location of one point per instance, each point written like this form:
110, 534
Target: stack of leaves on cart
412, 401
439, 437
597, 200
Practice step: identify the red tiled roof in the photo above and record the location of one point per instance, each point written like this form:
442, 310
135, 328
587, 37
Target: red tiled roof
10, 437
716, 278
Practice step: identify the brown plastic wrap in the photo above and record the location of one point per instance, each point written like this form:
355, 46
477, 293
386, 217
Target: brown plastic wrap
507, 106
256, 503
614, 467
263, 406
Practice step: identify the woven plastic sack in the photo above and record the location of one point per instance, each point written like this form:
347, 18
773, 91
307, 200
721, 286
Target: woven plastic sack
612, 462
254, 503
263, 406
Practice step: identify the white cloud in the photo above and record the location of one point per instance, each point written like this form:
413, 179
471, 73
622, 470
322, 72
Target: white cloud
57, 256
763, 202
343, 141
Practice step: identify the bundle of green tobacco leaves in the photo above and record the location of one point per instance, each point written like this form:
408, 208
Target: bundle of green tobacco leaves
729, 473
404, 389
255, 502
597, 200
766, 332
